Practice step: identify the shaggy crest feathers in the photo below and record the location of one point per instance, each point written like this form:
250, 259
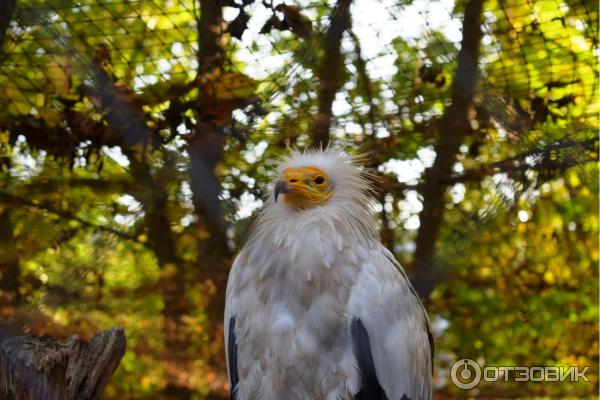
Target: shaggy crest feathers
353, 190
351, 179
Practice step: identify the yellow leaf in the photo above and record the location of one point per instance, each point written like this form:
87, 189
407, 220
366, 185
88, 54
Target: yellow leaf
549, 277
169, 269
574, 179
59, 74
52, 117
228, 85
146, 382
203, 234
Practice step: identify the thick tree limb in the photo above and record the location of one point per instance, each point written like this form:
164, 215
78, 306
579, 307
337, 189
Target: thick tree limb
330, 72
34, 367
453, 131
210, 50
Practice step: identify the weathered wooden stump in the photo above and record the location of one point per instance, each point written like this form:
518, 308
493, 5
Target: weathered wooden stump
42, 368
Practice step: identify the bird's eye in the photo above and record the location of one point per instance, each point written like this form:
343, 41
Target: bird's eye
319, 180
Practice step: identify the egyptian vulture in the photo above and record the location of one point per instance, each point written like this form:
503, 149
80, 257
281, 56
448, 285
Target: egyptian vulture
316, 307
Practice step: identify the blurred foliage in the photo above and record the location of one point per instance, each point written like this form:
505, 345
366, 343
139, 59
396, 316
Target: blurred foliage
102, 102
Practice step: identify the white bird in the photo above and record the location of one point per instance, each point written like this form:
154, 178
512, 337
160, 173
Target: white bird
316, 306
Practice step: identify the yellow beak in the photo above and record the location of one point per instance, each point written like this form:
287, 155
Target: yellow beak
300, 189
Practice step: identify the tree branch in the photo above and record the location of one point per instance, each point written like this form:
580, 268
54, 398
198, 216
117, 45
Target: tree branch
554, 157
557, 156
330, 72
12, 199
364, 80
454, 129
104, 186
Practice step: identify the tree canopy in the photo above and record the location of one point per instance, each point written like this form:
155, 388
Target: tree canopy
138, 139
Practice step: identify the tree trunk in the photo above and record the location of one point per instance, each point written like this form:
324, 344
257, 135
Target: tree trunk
34, 367
9, 266
330, 72
127, 120
210, 50
206, 151
455, 125
6, 10
172, 282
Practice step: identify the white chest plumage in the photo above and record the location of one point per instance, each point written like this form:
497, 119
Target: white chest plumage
292, 326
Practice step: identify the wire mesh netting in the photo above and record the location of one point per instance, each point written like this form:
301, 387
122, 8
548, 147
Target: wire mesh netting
50, 47
191, 115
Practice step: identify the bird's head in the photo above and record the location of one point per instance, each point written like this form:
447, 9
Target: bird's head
304, 187
320, 177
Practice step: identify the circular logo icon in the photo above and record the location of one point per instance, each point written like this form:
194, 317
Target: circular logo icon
465, 373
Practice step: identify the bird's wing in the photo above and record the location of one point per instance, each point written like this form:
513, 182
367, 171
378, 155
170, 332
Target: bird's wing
231, 349
390, 332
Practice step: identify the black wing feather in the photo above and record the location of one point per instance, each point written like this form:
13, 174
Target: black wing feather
232, 358
370, 389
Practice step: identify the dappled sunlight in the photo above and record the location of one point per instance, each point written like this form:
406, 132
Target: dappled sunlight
139, 142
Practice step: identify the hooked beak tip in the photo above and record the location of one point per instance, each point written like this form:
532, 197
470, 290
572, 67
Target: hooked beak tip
280, 187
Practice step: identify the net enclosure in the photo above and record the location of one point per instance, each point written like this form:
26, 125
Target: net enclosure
137, 139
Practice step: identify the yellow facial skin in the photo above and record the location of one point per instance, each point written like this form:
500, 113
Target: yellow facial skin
304, 187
